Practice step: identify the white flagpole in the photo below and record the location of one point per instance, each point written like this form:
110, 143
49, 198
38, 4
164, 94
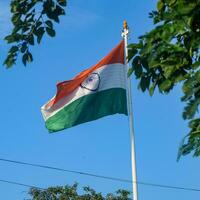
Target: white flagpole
125, 34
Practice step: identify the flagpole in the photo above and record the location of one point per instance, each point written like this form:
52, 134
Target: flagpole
125, 34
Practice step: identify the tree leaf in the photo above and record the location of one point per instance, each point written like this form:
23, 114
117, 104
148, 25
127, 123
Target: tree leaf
14, 49
49, 23
151, 90
10, 61
165, 86
29, 57
62, 2
31, 39
9, 38
39, 33
29, 19
131, 53
24, 47
24, 58
160, 5
50, 32
144, 83
130, 71
138, 70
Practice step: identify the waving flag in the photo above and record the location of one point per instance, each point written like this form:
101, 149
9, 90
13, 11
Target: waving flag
94, 93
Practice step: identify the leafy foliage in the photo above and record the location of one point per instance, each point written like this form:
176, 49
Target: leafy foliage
70, 192
31, 19
169, 55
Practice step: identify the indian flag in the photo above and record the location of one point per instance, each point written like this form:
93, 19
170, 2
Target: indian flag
94, 93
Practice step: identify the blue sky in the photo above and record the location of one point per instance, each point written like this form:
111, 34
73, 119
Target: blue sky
86, 34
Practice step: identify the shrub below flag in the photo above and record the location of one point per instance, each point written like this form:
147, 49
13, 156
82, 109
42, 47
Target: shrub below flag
94, 93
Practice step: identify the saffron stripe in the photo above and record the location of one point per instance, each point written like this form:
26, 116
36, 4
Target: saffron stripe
66, 87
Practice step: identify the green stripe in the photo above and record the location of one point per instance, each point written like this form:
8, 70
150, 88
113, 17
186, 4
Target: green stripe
89, 108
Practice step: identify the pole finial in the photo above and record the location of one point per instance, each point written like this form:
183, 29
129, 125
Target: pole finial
125, 25
125, 30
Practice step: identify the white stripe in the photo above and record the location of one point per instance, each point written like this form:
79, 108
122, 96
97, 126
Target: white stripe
111, 76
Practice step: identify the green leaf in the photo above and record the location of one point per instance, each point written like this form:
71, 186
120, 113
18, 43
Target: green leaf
191, 108
170, 54
29, 57
32, 18
16, 29
24, 47
135, 61
10, 61
190, 142
168, 71
38, 24
138, 70
151, 90
25, 58
195, 65
130, 71
153, 63
14, 49
39, 33
31, 39
59, 11
165, 85
53, 14
144, 83
135, 46
62, 2
16, 19
9, 38
160, 5
50, 32
49, 23
131, 53
144, 63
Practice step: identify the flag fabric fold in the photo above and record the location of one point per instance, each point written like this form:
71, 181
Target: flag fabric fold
94, 93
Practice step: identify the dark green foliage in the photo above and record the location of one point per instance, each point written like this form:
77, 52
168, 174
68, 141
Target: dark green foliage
169, 55
31, 19
193, 140
70, 193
